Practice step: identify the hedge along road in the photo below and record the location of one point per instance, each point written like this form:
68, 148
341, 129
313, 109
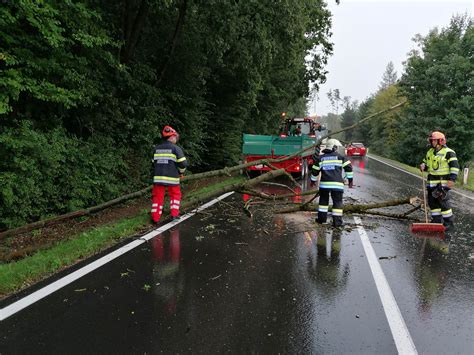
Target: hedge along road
220, 281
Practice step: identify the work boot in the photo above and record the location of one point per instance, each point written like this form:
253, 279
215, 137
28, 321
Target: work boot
337, 222
320, 221
448, 225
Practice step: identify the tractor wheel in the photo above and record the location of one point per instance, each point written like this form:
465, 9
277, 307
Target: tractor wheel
304, 170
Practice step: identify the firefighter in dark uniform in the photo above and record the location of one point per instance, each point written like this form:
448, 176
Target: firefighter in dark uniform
331, 166
442, 166
169, 163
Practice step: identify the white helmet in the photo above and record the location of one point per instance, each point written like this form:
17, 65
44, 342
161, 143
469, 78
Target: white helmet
331, 143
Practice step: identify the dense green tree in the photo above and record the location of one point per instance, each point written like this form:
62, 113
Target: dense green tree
362, 132
438, 83
93, 82
385, 130
349, 117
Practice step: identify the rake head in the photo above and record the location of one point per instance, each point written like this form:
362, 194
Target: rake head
428, 228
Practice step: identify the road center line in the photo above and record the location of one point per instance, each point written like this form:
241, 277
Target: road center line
34, 297
400, 333
419, 177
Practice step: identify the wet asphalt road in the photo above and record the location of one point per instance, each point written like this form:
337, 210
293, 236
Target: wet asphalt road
221, 282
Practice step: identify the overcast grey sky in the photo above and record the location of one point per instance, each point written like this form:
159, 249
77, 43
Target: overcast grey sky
369, 34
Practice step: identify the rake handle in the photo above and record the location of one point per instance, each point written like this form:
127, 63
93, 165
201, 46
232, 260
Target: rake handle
424, 195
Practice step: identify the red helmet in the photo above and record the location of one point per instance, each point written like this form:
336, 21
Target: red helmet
168, 131
440, 137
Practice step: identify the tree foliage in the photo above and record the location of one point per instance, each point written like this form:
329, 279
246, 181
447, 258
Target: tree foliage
389, 77
438, 83
349, 117
86, 86
384, 131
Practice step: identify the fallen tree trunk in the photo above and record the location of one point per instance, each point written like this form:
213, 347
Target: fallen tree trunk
84, 212
276, 197
238, 186
54, 220
347, 208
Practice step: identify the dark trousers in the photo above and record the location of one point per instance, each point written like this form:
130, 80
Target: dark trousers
323, 207
440, 209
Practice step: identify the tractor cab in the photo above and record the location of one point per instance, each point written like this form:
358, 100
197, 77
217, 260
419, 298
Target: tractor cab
301, 127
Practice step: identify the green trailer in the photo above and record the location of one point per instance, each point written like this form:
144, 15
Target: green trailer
256, 147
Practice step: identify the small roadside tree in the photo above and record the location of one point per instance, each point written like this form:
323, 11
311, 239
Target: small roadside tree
389, 76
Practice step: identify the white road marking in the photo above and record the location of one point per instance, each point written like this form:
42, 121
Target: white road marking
419, 177
26, 301
399, 330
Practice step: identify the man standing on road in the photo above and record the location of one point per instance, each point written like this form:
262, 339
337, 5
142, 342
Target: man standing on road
331, 164
443, 168
169, 163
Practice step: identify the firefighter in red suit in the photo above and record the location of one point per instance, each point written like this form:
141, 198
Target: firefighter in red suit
169, 163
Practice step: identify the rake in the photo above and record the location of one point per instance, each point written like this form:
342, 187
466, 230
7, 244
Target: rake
427, 227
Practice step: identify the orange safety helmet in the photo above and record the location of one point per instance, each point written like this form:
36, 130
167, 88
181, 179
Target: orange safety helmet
169, 131
437, 136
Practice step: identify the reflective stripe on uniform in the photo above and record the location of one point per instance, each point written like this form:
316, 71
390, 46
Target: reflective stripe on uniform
331, 185
346, 163
440, 172
434, 183
331, 162
165, 156
322, 208
181, 160
436, 212
174, 204
166, 178
337, 212
447, 213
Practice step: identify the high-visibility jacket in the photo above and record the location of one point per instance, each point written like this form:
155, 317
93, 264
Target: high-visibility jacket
168, 163
442, 165
331, 165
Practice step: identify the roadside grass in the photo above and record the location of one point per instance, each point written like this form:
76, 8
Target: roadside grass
416, 171
22, 273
